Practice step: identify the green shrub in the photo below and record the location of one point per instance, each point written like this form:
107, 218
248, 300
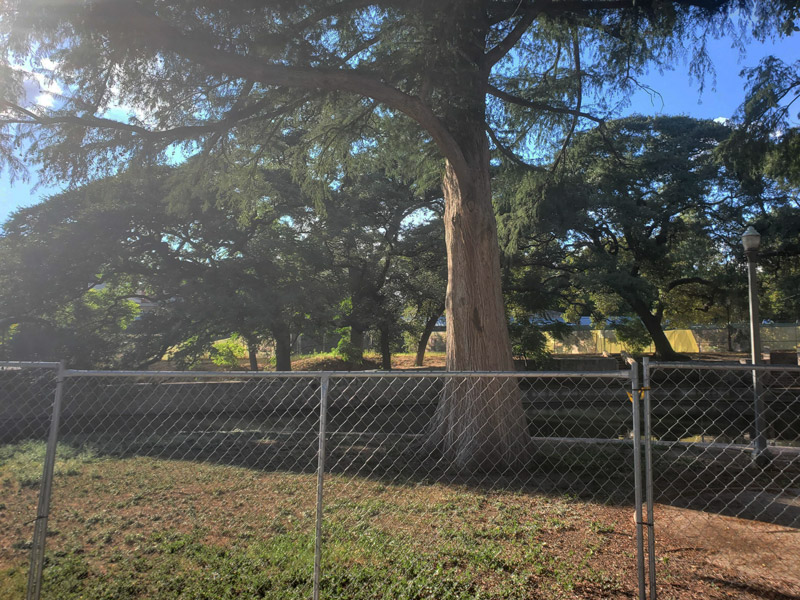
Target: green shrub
528, 343
227, 353
345, 349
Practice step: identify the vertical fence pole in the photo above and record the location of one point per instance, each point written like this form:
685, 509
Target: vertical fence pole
648, 481
43, 510
323, 418
637, 477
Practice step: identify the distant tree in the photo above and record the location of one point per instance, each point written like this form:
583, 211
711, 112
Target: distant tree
89, 331
366, 227
211, 270
421, 279
764, 154
638, 207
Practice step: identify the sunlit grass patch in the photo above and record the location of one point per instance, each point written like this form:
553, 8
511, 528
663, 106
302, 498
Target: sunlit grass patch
149, 527
21, 464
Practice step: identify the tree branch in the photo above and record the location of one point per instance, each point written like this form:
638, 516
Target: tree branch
686, 281
204, 50
576, 51
554, 8
507, 152
497, 53
502, 95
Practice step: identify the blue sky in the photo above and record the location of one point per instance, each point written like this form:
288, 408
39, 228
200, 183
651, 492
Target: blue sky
678, 95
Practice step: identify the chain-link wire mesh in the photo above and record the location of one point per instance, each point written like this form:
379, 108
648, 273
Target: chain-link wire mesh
26, 400
735, 337
207, 478
26, 405
431, 488
462, 485
726, 471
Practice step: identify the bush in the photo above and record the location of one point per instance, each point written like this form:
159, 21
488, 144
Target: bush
528, 343
345, 350
227, 353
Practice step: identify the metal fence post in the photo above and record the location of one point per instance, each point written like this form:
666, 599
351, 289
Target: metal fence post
648, 480
637, 477
323, 417
43, 510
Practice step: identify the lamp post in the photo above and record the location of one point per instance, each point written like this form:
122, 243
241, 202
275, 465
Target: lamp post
751, 240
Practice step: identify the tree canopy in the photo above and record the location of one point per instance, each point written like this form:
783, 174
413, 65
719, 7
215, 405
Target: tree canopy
503, 80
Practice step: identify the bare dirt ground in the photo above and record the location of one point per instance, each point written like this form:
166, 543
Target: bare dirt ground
749, 559
124, 519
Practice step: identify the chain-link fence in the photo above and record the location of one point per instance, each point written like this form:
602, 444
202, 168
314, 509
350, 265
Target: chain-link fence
26, 400
363, 485
26, 421
725, 478
783, 338
341, 485
735, 337
394, 498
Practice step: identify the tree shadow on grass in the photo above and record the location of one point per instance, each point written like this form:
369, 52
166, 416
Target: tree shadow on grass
376, 428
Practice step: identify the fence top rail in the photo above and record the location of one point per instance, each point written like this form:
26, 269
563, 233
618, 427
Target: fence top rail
722, 366
623, 374
28, 364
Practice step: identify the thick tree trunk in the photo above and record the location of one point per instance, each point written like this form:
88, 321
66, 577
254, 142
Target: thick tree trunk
283, 348
479, 423
386, 349
426, 335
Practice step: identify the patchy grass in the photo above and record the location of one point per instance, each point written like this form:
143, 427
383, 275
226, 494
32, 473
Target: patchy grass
143, 527
21, 464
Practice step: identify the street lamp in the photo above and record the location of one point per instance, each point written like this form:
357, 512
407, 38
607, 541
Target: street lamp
751, 240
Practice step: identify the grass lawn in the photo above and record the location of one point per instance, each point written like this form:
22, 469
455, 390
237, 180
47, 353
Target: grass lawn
145, 527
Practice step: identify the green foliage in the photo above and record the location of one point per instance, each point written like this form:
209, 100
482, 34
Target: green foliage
207, 270
528, 342
22, 463
93, 330
346, 350
638, 217
325, 81
227, 353
633, 335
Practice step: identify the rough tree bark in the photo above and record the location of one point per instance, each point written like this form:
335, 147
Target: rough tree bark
479, 423
357, 343
386, 348
252, 350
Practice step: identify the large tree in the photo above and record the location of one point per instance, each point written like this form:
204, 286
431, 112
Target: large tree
365, 227
473, 74
764, 153
643, 209
207, 270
